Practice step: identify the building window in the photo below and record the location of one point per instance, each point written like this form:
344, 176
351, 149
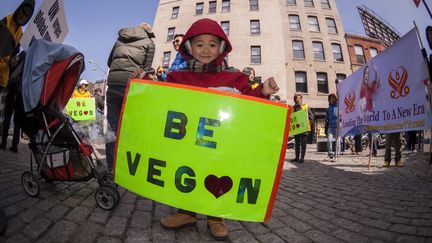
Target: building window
337, 52
340, 76
331, 25
301, 82
226, 27
298, 49
170, 35
325, 4
358, 49
308, 3
373, 52
175, 12
255, 27
199, 8
322, 83
313, 24
290, 2
253, 5
318, 50
294, 22
212, 7
255, 54
226, 5
166, 59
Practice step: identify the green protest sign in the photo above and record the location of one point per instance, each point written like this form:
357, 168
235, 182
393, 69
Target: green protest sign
81, 109
299, 122
202, 150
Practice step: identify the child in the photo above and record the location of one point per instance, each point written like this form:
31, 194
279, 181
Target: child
204, 48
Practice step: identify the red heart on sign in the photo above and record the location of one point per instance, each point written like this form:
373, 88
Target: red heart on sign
297, 125
218, 186
85, 112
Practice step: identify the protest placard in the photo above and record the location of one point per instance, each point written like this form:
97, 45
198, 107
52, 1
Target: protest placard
388, 94
48, 22
299, 122
202, 150
81, 109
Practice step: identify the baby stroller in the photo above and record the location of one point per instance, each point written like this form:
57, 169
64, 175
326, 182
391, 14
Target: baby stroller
58, 151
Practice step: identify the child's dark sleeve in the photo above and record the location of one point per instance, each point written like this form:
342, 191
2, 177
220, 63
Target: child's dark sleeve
245, 88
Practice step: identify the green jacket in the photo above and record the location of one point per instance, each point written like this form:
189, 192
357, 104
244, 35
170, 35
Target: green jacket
133, 50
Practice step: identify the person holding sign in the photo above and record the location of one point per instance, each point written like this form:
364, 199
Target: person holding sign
82, 91
300, 139
204, 48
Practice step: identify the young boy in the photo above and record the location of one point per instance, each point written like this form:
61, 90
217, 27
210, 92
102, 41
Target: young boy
204, 48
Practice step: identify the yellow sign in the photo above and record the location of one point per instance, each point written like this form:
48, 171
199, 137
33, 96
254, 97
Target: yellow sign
202, 150
299, 122
81, 109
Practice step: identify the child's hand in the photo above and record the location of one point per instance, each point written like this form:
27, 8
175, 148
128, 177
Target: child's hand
138, 73
270, 87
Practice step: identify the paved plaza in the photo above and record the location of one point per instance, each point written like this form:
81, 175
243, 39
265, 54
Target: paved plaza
318, 201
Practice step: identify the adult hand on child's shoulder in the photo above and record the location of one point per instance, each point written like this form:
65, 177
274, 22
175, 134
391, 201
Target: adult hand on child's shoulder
270, 87
138, 73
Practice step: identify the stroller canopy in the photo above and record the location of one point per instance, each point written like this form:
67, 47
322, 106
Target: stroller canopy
40, 56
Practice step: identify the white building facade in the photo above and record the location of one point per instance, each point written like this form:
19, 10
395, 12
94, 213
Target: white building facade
299, 42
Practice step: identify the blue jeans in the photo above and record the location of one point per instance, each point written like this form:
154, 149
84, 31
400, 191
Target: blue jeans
115, 95
331, 137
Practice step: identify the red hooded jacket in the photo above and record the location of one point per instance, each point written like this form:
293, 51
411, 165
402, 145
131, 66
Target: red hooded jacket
227, 79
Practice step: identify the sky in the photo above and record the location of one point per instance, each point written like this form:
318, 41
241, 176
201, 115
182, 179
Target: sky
94, 24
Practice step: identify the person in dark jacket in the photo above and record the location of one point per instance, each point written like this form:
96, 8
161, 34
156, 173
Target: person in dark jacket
204, 48
331, 124
133, 50
99, 100
178, 63
301, 139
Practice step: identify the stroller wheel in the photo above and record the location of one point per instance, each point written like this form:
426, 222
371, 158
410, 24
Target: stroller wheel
30, 184
106, 197
106, 179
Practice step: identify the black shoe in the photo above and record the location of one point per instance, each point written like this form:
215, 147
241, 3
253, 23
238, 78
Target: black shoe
301, 160
3, 146
13, 149
294, 160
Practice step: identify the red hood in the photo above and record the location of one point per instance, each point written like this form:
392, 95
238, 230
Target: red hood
205, 26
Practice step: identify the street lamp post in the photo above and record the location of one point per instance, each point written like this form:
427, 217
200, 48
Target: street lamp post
104, 88
102, 70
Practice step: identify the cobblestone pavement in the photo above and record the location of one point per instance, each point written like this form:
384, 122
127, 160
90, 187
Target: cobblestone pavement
318, 201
